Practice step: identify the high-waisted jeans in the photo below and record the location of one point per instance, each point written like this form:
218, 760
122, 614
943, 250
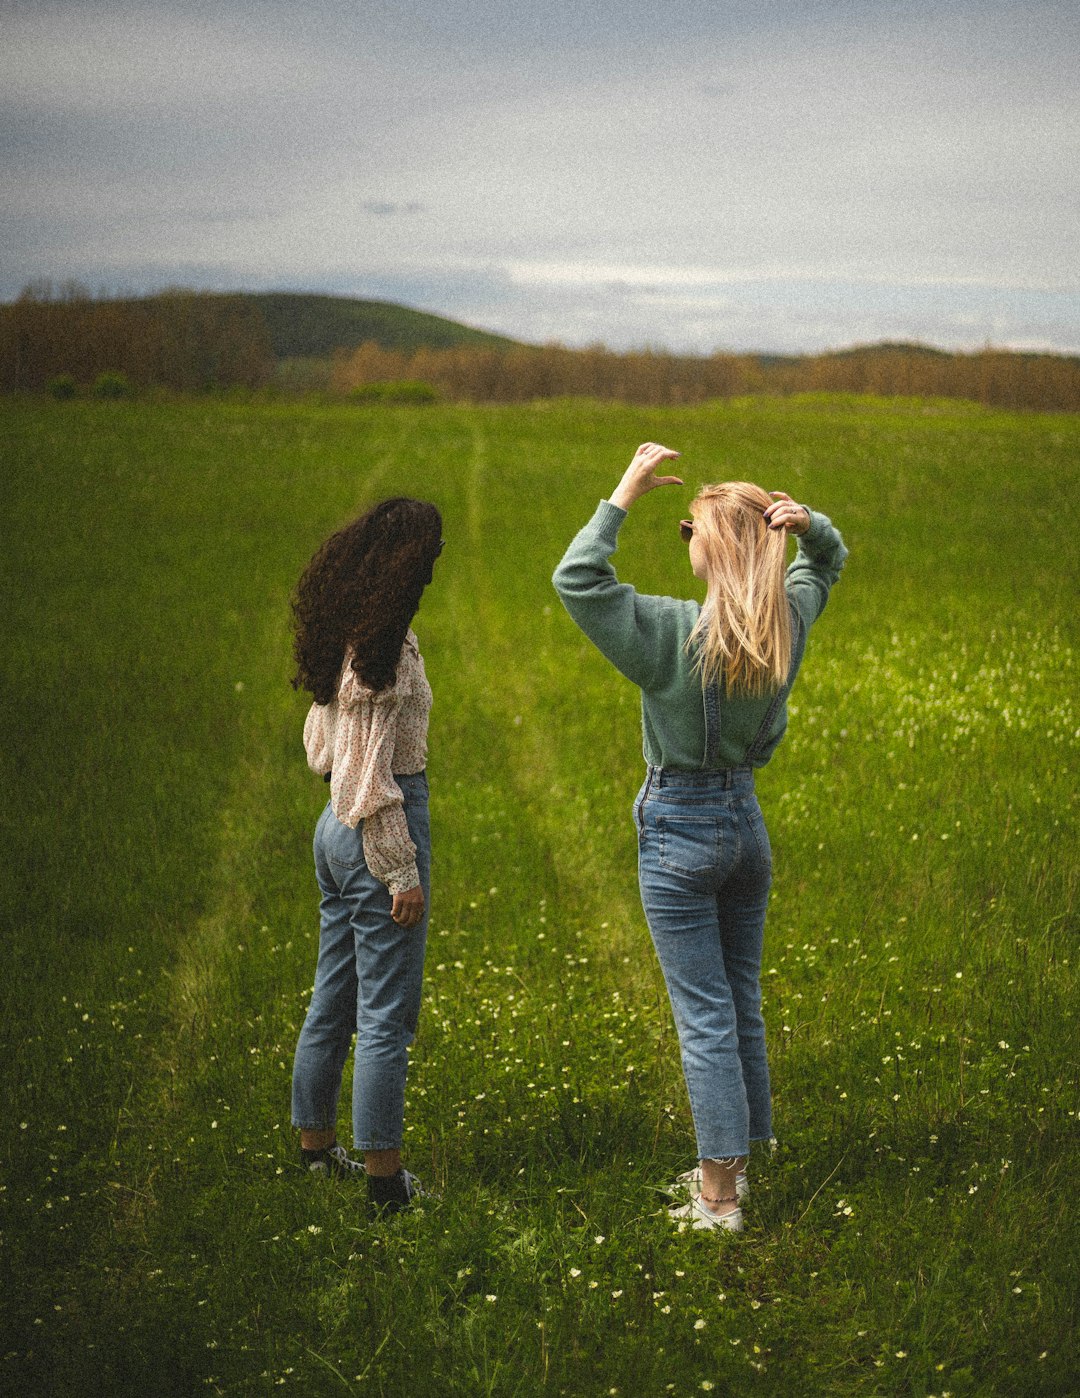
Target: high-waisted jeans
705, 867
368, 980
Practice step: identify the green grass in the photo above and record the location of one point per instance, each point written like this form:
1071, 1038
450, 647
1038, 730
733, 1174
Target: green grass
913, 1231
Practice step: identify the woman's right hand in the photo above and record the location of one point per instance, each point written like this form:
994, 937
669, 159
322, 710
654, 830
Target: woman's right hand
640, 476
784, 513
408, 907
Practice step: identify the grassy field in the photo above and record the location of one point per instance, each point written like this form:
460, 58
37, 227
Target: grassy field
913, 1232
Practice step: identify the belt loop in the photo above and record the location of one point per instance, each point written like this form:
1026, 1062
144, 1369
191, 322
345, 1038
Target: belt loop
644, 798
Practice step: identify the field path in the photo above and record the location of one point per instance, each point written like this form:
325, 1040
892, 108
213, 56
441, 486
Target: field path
510, 636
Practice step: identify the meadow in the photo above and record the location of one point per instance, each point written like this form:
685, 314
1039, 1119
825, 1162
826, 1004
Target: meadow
912, 1232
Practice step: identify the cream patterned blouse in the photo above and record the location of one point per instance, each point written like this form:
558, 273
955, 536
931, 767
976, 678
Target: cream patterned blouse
365, 739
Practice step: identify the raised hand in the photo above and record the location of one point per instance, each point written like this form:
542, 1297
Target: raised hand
784, 513
640, 476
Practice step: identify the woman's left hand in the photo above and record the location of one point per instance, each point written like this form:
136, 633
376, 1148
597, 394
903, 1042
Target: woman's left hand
784, 513
640, 476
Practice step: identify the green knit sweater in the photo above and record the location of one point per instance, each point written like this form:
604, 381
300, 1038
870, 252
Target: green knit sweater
645, 639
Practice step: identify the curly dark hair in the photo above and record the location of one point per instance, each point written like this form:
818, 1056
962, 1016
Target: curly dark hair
361, 590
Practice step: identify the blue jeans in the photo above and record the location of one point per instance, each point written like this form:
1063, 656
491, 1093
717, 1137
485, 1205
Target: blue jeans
368, 980
705, 867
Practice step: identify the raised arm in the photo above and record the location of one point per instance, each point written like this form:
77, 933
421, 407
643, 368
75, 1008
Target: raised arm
622, 623
820, 558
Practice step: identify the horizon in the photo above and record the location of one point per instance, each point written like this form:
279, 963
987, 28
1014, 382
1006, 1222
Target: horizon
44, 291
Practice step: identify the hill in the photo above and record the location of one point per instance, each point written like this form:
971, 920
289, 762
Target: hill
301, 325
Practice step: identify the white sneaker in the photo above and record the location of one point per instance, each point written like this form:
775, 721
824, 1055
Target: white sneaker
695, 1214
689, 1182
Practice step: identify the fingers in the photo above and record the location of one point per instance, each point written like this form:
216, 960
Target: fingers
655, 453
784, 513
407, 909
647, 458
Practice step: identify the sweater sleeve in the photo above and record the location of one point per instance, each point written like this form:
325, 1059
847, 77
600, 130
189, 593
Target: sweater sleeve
378, 801
359, 754
320, 734
388, 848
621, 622
816, 567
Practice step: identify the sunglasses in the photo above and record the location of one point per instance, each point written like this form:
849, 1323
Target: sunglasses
686, 530
442, 545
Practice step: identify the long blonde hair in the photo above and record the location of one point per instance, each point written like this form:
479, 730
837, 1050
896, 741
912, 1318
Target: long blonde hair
744, 631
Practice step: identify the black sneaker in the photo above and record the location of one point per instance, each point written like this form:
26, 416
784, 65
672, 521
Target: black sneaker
333, 1162
392, 1193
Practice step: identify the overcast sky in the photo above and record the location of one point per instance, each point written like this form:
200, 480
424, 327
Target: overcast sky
693, 175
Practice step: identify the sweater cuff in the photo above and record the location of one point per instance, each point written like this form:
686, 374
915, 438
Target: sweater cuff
401, 880
821, 532
606, 522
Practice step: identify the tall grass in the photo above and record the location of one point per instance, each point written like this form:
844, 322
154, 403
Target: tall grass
911, 1233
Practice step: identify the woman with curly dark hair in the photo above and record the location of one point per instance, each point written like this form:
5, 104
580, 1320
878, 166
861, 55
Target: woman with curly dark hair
366, 734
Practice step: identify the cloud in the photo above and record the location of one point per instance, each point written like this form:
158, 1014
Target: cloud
619, 160
382, 209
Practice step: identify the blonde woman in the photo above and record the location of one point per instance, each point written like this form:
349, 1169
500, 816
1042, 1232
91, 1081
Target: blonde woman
714, 682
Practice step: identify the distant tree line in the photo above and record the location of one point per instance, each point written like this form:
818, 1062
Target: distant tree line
179, 339
998, 378
62, 340
995, 377
526, 372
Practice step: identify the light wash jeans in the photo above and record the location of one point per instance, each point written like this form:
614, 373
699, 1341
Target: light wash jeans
368, 980
705, 867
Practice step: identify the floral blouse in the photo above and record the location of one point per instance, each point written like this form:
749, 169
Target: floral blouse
365, 738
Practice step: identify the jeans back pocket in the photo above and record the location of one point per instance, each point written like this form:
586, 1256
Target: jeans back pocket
342, 844
689, 845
